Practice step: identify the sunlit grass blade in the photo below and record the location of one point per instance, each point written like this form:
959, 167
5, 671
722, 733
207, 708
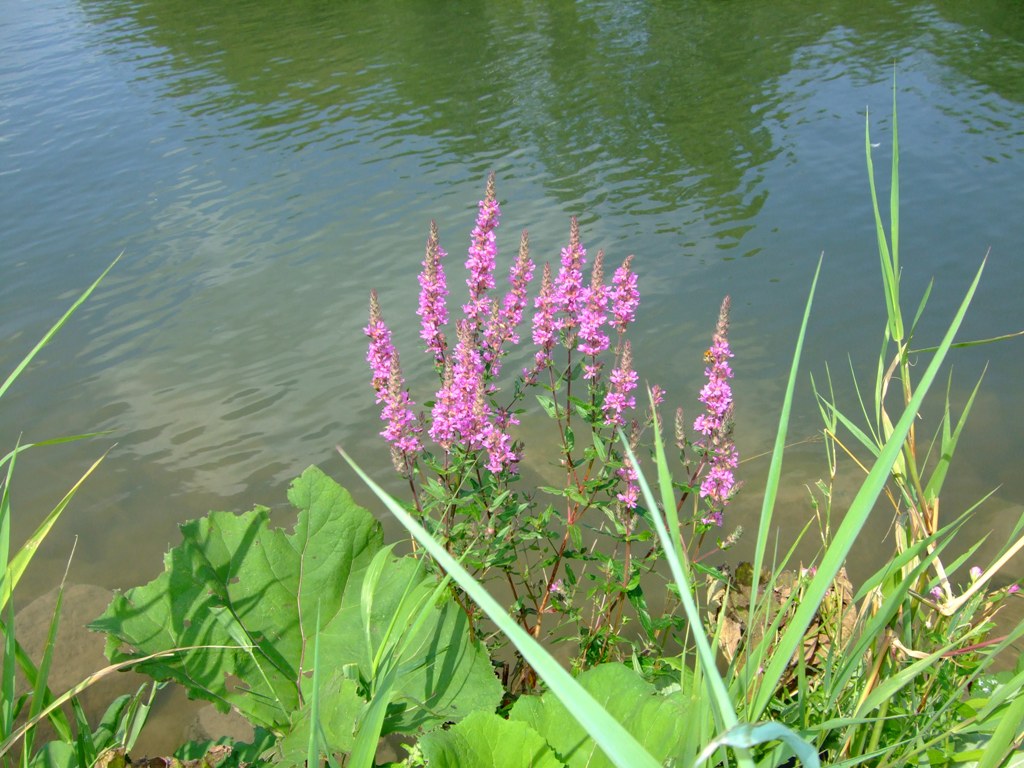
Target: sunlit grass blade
894, 198
725, 715
40, 689
618, 744
950, 438
48, 336
5, 528
774, 477
17, 565
972, 343
856, 517
22, 447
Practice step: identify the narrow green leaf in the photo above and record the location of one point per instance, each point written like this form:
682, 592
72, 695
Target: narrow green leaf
725, 716
771, 488
23, 557
949, 443
53, 330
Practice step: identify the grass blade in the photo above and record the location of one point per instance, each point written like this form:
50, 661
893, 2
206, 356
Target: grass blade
771, 488
48, 336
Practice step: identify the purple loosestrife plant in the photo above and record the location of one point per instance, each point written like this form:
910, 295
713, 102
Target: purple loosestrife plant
463, 461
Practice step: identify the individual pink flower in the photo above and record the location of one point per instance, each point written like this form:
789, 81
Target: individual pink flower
433, 308
483, 252
621, 382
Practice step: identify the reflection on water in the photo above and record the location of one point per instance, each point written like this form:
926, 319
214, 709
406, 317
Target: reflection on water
263, 165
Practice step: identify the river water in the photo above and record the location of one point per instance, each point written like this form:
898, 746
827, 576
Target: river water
263, 165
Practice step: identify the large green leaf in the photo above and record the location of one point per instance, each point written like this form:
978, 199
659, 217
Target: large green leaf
655, 719
484, 740
250, 594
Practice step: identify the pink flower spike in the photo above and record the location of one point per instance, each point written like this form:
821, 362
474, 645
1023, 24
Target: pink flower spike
622, 381
402, 430
625, 296
657, 395
592, 340
568, 296
545, 323
503, 324
380, 350
483, 252
715, 424
630, 496
433, 309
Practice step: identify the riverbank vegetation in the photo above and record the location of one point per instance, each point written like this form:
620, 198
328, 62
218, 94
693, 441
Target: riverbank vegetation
587, 622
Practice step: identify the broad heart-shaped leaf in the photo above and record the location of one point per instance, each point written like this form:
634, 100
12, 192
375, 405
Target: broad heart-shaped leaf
238, 583
656, 720
484, 740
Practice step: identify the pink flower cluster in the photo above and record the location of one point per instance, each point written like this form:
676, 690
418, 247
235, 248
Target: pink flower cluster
568, 311
577, 315
715, 424
462, 413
